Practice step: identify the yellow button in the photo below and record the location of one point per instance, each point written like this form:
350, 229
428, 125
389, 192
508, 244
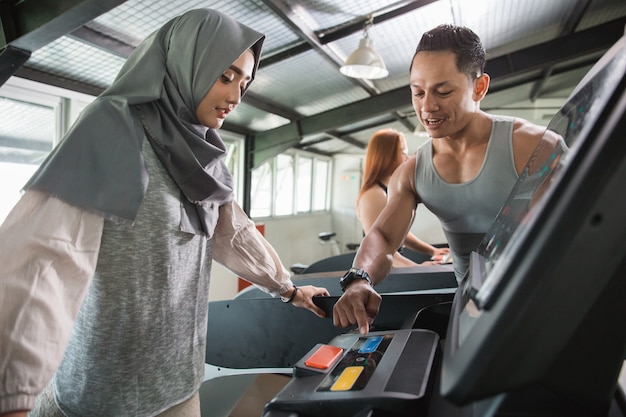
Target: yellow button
347, 378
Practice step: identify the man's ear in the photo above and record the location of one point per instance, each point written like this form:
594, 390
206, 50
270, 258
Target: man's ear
481, 86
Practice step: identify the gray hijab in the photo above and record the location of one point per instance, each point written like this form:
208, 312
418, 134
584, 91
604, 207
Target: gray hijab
99, 165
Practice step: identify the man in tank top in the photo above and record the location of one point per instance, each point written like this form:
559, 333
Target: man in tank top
463, 174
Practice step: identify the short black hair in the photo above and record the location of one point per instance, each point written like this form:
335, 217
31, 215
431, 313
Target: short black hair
462, 41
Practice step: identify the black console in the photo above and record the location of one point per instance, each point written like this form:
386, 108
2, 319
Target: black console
383, 373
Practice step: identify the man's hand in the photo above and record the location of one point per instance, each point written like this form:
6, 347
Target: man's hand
304, 298
358, 305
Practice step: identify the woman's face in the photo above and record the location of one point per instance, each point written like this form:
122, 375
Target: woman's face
226, 93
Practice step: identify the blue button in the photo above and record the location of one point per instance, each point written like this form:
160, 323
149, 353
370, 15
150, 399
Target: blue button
371, 344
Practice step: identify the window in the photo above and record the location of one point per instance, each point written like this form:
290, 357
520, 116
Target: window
234, 160
321, 188
298, 182
304, 182
284, 189
34, 118
261, 191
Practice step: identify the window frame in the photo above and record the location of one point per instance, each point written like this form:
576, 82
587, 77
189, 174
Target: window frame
68, 104
296, 155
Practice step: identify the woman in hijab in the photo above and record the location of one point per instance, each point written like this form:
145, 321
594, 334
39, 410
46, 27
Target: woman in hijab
106, 258
386, 151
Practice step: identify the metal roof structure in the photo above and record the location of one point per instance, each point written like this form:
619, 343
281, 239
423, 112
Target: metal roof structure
537, 50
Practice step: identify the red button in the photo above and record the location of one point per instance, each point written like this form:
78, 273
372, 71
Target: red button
324, 357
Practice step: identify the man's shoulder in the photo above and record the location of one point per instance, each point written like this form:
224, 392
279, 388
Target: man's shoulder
406, 171
526, 136
527, 129
404, 176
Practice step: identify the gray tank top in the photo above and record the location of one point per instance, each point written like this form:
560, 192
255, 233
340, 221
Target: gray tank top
138, 344
467, 210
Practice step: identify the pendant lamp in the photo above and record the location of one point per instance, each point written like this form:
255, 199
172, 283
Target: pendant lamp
365, 62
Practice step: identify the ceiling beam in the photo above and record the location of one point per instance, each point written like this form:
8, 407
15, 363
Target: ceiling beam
272, 142
334, 33
404, 121
55, 80
578, 11
270, 106
11, 59
557, 51
320, 38
347, 139
356, 25
103, 41
301, 27
123, 50
329, 136
28, 25
519, 65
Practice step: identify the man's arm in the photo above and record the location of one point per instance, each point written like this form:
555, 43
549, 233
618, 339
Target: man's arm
526, 136
360, 302
375, 254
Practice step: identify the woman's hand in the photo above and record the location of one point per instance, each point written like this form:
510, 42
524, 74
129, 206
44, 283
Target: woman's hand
304, 298
439, 254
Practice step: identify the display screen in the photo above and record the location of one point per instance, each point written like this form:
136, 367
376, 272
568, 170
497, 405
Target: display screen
535, 314
549, 160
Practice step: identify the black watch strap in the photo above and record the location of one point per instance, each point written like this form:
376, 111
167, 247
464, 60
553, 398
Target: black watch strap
354, 274
291, 297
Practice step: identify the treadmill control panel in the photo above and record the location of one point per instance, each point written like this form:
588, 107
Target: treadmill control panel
358, 364
387, 371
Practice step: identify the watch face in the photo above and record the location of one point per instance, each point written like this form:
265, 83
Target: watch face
353, 274
342, 281
348, 278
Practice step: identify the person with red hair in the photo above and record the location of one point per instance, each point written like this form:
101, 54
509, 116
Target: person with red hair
386, 151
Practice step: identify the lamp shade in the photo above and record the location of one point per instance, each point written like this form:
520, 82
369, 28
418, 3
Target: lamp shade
364, 62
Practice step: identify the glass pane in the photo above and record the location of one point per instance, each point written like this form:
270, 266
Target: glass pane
284, 185
303, 190
320, 185
26, 136
232, 160
261, 191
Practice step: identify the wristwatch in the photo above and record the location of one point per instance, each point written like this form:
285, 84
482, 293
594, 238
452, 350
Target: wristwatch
291, 297
353, 274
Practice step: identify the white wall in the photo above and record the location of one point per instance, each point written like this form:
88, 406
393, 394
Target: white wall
346, 183
295, 237
295, 240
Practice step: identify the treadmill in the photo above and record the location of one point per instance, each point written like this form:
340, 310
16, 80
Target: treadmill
538, 326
